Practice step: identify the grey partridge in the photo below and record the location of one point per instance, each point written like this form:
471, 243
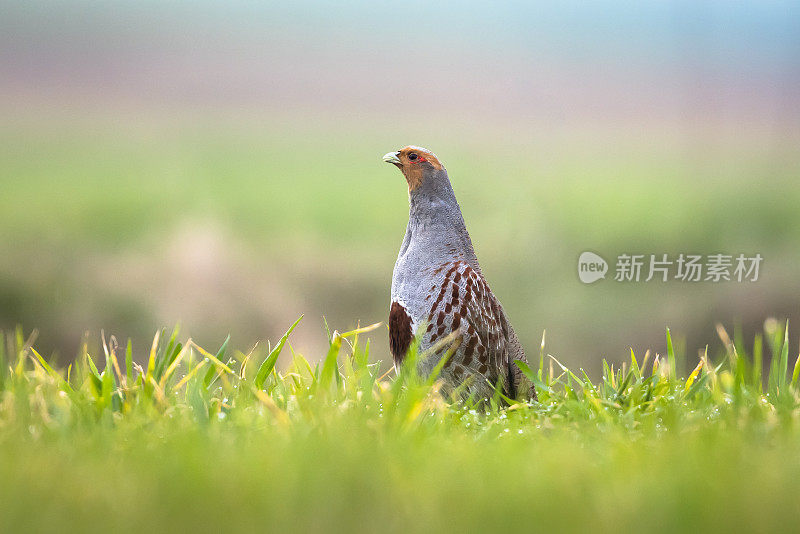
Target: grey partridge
437, 285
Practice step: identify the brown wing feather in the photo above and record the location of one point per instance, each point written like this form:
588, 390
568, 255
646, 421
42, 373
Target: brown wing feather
464, 302
483, 312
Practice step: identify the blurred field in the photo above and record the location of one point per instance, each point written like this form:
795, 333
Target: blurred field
241, 226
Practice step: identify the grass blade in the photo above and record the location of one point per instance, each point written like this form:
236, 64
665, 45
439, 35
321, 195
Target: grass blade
268, 364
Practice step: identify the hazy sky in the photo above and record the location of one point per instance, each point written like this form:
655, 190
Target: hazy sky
556, 61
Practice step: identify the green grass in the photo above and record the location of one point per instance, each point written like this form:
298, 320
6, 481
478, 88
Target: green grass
224, 441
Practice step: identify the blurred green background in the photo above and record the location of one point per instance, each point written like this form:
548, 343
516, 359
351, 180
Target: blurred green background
219, 165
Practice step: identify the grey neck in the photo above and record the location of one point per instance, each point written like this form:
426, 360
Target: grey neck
435, 218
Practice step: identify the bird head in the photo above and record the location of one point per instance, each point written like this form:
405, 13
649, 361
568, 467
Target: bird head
417, 164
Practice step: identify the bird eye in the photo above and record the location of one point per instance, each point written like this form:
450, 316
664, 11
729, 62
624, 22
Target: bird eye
412, 156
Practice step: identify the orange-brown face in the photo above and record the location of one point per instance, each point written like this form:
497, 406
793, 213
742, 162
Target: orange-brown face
413, 161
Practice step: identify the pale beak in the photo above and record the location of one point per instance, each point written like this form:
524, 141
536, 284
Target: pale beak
391, 157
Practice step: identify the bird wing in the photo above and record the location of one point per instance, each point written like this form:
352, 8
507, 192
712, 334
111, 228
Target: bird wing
486, 317
465, 303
